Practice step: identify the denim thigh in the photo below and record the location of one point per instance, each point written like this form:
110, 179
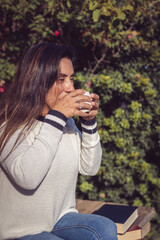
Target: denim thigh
76, 226
41, 236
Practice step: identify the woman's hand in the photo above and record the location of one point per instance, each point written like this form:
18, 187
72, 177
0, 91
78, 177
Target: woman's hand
70, 104
94, 109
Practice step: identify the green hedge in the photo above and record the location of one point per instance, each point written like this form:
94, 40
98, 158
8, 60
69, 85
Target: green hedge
118, 50
129, 127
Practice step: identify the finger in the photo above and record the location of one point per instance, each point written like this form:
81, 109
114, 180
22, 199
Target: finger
93, 112
80, 97
71, 98
83, 98
95, 104
83, 105
95, 96
90, 115
77, 92
80, 113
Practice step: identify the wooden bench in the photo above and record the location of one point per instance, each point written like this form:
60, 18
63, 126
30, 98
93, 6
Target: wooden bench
145, 214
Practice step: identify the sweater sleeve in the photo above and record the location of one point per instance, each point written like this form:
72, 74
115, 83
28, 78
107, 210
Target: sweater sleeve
91, 152
28, 164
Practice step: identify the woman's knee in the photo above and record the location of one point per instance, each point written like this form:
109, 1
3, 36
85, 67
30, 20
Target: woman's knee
105, 228
90, 226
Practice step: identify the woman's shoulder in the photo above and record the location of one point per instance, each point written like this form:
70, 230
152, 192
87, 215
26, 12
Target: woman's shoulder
33, 132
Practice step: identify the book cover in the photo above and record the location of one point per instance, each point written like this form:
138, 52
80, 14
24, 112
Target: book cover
135, 232
122, 215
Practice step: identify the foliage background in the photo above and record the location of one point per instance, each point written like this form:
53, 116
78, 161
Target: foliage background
118, 57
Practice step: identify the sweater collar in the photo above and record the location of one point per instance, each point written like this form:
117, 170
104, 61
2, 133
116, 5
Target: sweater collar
41, 118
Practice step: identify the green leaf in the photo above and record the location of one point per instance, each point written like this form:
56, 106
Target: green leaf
85, 186
128, 7
121, 16
93, 5
68, 4
138, 14
96, 15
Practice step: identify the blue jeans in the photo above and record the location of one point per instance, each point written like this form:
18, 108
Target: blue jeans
76, 226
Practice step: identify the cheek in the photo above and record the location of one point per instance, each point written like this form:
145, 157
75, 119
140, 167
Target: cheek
54, 92
51, 95
60, 87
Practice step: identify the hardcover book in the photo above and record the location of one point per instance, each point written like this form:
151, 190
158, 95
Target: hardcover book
135, 232
124, 216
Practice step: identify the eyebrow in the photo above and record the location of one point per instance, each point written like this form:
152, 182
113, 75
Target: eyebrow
64, 75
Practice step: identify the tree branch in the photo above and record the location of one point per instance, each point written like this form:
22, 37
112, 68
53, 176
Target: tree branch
96, 66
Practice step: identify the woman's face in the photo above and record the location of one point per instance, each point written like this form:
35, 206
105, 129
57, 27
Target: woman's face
62, 86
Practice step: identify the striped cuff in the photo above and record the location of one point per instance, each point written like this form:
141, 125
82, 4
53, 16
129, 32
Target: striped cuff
88, 122
89, 127
89, 131
56, 119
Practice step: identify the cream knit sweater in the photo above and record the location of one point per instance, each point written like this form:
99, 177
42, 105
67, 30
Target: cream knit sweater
38, 179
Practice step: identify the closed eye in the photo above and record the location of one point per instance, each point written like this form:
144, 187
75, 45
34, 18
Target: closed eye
62, 77
61, 80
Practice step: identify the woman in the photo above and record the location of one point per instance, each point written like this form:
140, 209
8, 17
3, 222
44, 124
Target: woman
42, 151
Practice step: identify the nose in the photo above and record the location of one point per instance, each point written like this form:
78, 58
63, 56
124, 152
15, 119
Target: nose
68, 86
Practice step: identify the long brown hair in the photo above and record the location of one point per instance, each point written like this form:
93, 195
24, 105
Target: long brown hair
36, 73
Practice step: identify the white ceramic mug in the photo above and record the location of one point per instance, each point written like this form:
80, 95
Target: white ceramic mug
86, 109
